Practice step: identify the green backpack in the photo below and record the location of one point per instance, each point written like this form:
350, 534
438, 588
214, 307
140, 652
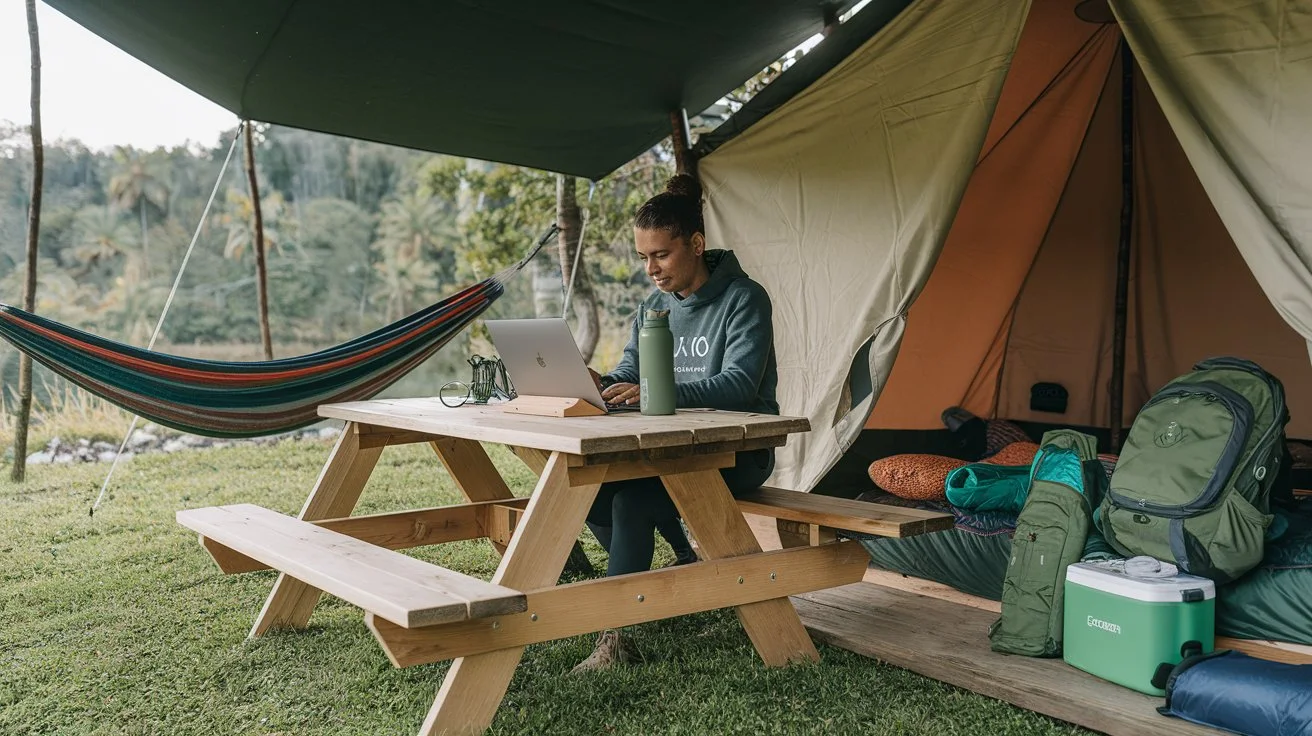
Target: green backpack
1193, 483
1051, 533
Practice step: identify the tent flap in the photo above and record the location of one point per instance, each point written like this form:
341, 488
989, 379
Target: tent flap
959, 326
1235, 83
865, 166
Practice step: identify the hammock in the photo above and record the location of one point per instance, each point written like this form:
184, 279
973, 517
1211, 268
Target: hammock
248, 399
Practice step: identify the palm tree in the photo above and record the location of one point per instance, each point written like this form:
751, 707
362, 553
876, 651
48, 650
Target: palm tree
136, 186
238, 219
101, 235
402, 283
33, 230
250, 227
414, 223
411, 263
61, 296
126, 310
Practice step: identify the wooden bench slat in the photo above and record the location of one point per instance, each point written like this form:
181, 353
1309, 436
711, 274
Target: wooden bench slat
843, 513
406, 591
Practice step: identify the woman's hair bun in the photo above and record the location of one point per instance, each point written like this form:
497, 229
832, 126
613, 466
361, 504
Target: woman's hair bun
677, 210
684, 185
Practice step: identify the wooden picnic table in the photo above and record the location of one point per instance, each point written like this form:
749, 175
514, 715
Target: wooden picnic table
421, 613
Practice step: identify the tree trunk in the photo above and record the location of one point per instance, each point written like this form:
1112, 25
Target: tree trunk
261, 274
580, 296
33, 231
546, 289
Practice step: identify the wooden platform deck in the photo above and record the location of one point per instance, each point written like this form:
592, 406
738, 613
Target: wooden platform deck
948, 641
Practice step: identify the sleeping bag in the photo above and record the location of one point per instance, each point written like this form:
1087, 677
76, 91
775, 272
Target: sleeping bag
1232, 691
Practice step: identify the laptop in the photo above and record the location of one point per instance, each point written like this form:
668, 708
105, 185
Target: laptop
542, 359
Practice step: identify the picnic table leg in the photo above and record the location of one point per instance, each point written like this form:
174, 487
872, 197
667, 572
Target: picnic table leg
335, 494
578, 561
473, 472
711, 513
473, 689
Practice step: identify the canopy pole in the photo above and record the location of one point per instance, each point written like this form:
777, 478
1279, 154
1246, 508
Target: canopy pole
261, 271
204, 215
1123, 249
681, 136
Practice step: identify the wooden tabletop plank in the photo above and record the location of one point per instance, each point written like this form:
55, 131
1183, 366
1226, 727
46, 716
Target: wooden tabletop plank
776, 426
621, 432
485, 425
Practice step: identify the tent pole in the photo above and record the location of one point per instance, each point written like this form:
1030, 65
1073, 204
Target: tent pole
831, 20
1123, 249
684, 159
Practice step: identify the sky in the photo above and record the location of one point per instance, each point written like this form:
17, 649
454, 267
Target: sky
95, 92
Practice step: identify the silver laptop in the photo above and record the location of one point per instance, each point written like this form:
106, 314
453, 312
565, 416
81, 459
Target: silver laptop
543, 360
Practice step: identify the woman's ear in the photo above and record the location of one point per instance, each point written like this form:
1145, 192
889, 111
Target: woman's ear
698, 243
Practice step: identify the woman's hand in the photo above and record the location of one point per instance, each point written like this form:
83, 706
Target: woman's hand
622, 393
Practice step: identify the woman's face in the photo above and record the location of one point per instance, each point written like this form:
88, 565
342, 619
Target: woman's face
673, 264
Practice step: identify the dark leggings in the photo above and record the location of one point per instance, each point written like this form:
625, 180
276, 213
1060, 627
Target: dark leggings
627, 513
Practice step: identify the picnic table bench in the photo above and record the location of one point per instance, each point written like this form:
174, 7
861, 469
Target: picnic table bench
421, 613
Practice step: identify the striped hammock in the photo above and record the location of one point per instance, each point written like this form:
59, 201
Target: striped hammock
247, 399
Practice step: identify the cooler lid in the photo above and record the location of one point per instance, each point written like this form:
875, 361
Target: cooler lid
1146, 580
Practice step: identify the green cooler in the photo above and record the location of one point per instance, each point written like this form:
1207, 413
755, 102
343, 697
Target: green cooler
1120, 625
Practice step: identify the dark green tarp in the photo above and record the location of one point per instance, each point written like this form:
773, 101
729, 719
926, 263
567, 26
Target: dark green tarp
575, 87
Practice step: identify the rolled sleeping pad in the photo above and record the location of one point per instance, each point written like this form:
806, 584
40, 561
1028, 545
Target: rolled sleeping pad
1234, 692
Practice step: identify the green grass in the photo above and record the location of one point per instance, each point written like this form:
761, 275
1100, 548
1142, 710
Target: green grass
121, 624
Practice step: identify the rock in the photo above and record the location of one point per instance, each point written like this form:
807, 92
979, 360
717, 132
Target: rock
104, 447
40, 458
108, 456
141, 438
53, 445
84, 442
175, 445
64, 459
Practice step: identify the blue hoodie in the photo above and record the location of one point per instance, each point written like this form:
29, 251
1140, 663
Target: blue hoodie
723, 342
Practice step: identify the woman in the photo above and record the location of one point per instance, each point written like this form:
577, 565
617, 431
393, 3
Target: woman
723, 359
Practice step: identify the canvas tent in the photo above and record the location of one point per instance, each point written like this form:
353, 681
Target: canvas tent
932, 196
841, 197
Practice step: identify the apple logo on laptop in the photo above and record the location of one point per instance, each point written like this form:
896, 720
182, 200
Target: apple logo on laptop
541, 362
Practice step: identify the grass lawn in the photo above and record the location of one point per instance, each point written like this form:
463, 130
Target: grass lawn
121, 624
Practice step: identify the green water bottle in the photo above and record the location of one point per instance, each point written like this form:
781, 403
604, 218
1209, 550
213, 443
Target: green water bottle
656, 363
